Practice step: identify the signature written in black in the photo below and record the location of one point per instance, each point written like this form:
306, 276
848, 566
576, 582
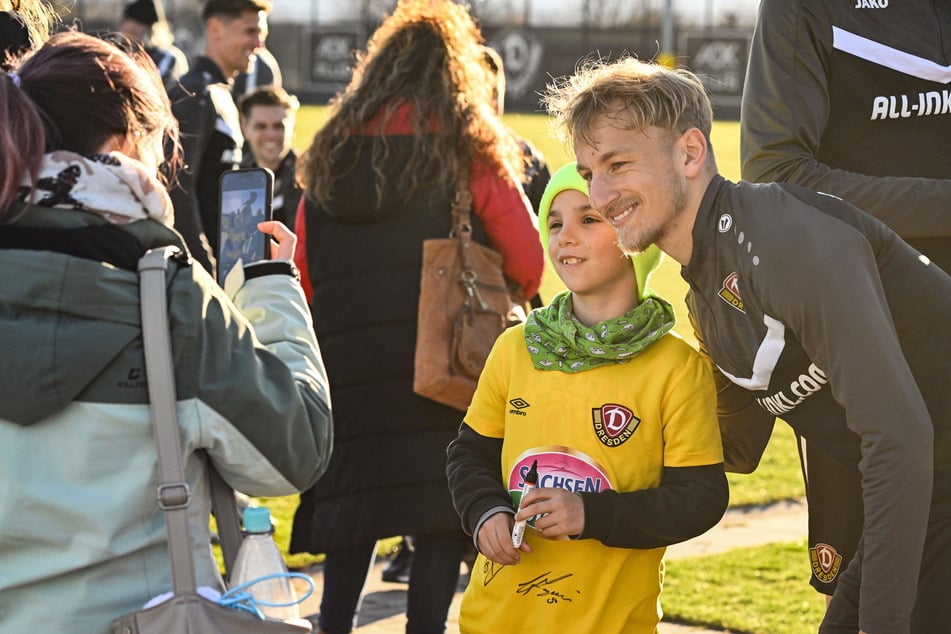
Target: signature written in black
489, 570
543, 586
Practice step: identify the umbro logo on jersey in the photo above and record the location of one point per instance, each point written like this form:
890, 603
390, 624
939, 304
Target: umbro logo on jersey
518, 404
730, 293
870, 4
614, 424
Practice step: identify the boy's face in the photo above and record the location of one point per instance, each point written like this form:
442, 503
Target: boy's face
268, 130
583, 249
636, 180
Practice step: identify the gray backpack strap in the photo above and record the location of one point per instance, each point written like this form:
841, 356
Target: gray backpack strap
173, 491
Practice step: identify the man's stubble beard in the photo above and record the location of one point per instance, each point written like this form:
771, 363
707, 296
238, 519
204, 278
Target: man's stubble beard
633, 241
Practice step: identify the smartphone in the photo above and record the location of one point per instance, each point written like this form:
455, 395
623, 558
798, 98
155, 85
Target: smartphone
245, 198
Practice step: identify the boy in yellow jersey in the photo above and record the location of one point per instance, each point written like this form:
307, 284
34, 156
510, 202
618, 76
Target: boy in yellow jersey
620, 416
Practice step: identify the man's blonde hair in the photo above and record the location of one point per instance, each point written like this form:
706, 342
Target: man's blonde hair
634, 94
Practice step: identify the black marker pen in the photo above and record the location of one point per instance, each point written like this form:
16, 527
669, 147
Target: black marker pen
531, 481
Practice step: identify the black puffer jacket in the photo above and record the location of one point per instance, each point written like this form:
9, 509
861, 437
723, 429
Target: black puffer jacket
387, 475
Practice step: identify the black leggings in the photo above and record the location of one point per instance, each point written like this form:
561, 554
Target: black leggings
432, 583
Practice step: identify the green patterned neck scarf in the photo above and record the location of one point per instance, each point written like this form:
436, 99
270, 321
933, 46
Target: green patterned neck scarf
558, 341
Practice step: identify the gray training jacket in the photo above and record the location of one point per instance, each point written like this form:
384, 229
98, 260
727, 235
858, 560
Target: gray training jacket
815, 312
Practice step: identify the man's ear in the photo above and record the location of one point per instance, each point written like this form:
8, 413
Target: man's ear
694, 147
213, 27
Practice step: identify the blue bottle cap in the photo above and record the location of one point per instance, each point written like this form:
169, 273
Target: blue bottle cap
257, 519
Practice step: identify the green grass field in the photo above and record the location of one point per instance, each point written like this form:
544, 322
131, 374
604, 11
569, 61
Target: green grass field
762, 590
758, 591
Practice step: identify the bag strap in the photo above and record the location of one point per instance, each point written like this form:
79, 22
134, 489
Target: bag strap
226, 519
173, 492
462, 232
152, 268
461, 207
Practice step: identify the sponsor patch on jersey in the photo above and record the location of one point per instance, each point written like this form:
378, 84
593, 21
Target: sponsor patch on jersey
730, 293
614, 424
826, 562
558, 468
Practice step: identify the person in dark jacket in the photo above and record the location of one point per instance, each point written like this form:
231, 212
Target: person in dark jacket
144, 21
812, 310
208, 118
838, 98
268, 115
379, 179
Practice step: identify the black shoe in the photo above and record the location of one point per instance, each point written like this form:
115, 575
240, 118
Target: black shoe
397, 571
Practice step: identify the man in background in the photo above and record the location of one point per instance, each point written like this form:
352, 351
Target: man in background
264, 71
235, 31
267, 122
144, 21
537, 174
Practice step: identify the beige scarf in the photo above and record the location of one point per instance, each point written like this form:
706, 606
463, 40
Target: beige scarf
114, 186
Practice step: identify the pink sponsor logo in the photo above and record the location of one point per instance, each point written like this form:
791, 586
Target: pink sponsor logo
561, 468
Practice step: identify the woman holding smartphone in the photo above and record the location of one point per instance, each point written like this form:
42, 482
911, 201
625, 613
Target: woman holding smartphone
82, 129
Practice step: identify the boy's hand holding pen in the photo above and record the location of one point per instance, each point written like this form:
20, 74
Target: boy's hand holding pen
560, 515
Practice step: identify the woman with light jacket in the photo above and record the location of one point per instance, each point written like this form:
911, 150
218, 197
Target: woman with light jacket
82, 539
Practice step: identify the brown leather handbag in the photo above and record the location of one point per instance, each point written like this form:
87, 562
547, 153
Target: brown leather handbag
465, 303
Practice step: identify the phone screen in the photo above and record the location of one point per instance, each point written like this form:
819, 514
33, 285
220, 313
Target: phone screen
245, 201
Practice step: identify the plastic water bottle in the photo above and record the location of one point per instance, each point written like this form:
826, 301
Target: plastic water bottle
259, 557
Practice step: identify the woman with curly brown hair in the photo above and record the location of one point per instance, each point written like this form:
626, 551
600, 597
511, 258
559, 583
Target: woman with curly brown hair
24, 26
379, 179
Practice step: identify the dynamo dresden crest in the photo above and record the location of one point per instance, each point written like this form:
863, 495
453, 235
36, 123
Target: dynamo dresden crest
614, 424
730, 293
826, 562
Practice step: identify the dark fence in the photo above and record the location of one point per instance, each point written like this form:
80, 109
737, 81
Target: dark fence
316, 59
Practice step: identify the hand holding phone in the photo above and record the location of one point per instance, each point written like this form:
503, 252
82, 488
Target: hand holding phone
245, 200
283, 241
